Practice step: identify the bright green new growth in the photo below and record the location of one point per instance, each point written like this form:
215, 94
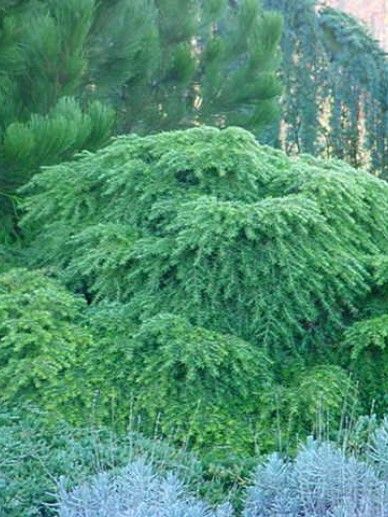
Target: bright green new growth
209, 225
40, 341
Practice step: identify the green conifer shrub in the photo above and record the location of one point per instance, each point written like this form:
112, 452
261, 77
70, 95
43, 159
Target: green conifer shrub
207, 224
40, 342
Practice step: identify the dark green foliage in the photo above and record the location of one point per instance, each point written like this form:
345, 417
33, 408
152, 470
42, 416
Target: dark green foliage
187, 62
367, 344
40, 341
43, 60
335, 79
209, 225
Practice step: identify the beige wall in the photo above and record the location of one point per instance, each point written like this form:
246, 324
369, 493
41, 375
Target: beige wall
373, 12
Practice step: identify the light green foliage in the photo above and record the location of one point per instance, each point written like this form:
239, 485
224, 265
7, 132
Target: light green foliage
46, 139
210, 225
40, 341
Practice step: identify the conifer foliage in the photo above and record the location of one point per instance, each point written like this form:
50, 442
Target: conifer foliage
335, 82
187, 62
202, 388
43, 58
40, 341
210, 225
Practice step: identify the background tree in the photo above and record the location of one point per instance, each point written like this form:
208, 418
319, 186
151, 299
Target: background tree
43, 57
193, 62
335, 78
160, 64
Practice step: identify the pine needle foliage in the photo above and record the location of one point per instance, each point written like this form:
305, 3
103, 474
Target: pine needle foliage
40, 341
187, 62
207, 224
43, 60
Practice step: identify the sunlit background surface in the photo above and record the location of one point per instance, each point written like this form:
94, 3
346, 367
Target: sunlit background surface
373, 12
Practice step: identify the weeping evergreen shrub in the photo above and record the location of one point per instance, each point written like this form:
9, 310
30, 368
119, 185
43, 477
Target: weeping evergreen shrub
40, 341
234, 236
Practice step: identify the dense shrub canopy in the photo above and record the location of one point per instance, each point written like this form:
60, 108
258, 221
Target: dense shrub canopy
199, 387
40, 340
210, 225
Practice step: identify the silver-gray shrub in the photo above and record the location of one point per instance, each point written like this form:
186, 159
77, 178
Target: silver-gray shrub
320, 482
378, 450
134, 491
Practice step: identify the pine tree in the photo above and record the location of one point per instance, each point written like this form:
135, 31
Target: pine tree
43, 57
193, 62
